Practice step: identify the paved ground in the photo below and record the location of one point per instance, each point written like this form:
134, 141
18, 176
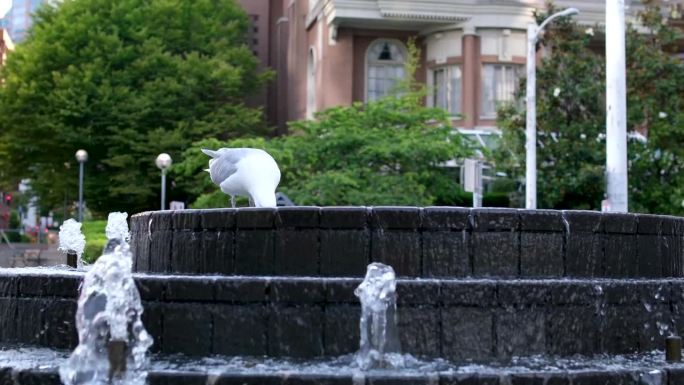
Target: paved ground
30, 254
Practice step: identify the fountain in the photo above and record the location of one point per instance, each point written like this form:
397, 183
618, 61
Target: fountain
112, 339
72, 242
482, 296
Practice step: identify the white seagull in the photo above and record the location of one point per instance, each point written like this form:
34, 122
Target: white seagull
245, 171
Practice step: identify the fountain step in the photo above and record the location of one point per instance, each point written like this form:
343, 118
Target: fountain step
311, 317
30, 366
417, 242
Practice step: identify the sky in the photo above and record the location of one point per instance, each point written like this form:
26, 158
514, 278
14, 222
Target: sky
5, 6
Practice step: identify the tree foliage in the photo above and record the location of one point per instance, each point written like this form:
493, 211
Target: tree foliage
384, 152
125, 80
571, 117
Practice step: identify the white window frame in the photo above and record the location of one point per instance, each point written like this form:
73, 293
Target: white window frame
393, 63
449, 69
509, 69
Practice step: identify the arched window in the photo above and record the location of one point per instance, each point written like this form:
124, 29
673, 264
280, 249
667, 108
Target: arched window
311, 85
385, 63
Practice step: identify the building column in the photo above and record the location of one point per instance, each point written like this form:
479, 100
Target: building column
471, 76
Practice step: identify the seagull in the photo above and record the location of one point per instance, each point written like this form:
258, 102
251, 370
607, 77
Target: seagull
245, 171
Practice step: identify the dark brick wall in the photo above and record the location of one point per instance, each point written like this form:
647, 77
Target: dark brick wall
457, 319
417, 242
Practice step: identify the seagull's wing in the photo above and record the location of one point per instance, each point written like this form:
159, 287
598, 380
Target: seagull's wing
225, 165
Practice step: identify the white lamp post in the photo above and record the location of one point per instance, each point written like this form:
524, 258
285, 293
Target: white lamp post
616, 108
163, 162
81, 157
531, 123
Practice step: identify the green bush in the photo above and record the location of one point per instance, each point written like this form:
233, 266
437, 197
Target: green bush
96, 239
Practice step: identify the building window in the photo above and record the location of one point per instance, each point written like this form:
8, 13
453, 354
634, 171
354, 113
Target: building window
311, 85
385, 68
446, 83
499, 83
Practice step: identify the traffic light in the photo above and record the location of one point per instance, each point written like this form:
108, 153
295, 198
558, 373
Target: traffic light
8, 199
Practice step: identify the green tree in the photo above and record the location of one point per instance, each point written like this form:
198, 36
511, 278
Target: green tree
383, 152
571, 118
125, 80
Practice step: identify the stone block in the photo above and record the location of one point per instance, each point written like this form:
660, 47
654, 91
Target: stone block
399, 249
160, 220
579, 221
344, 253
520, 333
9, 285
216, 253
176, 378
574, 330
671, 248
160, 250
297, 290
341, 330
583, 255
620, 223
541, 221
344, 217
468, 379
151, 288
341, 290
524, 293
36, 377
295, 331
473, 294
185, 251
648, 224
255, 218
254, 252
296, 252
528, 379
59, 321
446, 254
140, 243
419, 330
318, 379
298, 217
572, 293
495, 220
248, 379
152, 319
218, 219
189, 289
412, 292
620, 260
621, 334
389, 379
240, 330
240, 290
649, 255
388, 217
186, 329
33, 285
8, 320
495, 254
467, 333
601, 378
186, 220
30, 319
541, 254
446, 218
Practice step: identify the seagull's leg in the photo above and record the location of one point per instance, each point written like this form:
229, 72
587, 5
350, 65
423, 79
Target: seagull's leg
232, 200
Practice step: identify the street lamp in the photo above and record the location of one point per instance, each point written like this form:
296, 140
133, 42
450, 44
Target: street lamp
163, 162
81, 157
531, 123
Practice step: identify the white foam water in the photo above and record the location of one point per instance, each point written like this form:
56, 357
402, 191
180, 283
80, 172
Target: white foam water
109, 309
72, 240
379, 343
117, 227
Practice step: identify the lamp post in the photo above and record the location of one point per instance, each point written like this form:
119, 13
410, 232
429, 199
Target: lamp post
81, 157
616, 108
531, 122
163, 162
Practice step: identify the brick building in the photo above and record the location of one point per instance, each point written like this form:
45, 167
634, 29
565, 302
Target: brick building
335, 52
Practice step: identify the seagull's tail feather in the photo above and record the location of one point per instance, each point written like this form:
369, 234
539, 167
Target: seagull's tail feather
207, 170
211, 153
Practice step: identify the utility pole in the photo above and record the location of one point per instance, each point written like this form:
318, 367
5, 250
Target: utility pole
616, 108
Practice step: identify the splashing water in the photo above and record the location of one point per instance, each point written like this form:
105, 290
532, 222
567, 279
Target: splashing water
72, 240
117, 227
379, 345
109, 309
